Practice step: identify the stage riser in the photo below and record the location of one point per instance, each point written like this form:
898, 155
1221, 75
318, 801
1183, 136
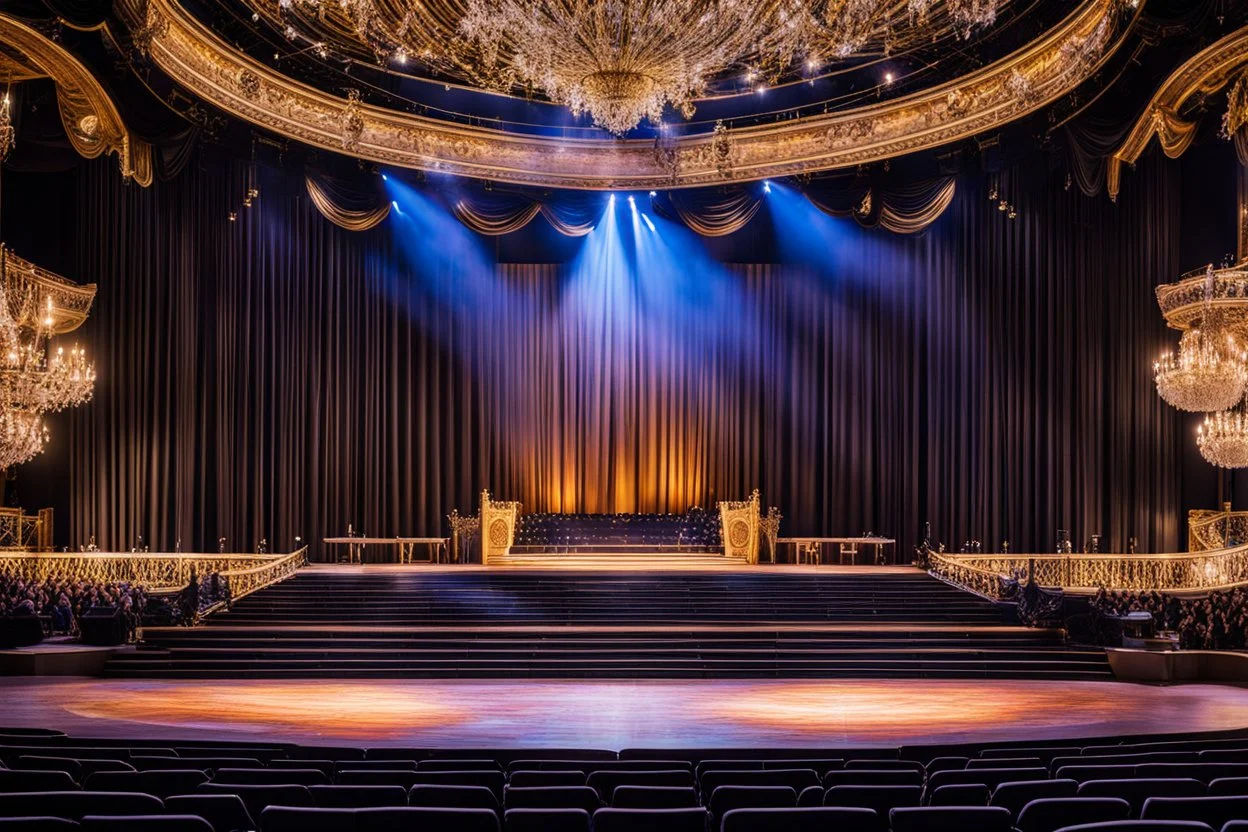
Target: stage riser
477, 625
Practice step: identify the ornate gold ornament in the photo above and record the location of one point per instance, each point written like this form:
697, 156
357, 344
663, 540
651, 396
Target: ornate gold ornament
1236, 107
92, 122
195, 57
1199, 77
8, 137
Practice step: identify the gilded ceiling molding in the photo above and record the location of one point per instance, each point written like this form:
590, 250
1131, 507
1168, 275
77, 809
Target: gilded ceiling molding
1015, 86
1204, 74
91, 120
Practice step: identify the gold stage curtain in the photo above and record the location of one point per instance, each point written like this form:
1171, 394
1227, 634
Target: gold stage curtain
903, 209
352, 208
498, 214
711, 212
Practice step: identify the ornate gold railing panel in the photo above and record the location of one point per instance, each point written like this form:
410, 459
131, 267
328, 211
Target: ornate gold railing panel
157, 572
739, 521
1187, 571
1046, 69
244, 580
1183, 302
1211, 529
20, 532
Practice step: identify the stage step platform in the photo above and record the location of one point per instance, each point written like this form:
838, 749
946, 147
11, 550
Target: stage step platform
515, 624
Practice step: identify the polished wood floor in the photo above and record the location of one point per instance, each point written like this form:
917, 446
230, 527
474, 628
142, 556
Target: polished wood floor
615, 715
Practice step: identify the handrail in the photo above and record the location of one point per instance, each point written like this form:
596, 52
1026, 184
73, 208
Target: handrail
157, 572
1184, 571
244, 581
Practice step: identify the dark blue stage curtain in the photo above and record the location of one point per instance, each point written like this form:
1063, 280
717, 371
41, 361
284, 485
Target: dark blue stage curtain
280, 376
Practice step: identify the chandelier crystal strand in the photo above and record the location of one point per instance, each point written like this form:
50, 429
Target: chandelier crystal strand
1208, 373
22, 436
1223, 438
626, 61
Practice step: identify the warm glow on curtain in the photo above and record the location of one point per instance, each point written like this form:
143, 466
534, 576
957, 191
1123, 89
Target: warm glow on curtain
281, 377
345, 206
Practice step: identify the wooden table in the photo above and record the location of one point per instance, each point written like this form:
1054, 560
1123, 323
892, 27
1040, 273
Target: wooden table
405, 545
810, 549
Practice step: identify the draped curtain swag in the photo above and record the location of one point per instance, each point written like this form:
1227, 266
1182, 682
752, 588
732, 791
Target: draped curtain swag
906, 208
280, 376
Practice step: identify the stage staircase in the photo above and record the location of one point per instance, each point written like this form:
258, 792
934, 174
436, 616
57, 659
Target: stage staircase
747, 623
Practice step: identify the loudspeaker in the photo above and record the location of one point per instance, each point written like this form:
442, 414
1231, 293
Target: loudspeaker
20, 631
102, 627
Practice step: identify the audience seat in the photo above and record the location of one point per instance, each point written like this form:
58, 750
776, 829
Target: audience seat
873, 777
546, 820
145, 823
492, 780
403, 778
795, 778
271, 777
35, 781
816, 819
605, 782
1141, 826
1014, 796
209, 764
961, 794
455, 797
374, 765
158, 783
726, 798
990, 777
650, 820
1088, 771
656, 797
1204, 772
357, 797
1006, 762
810, 797
879, 798
426, 819
1047, 814
226, 812
1214, 811
1226, 786
552, 797
1138, 790
326, 767
1223, 755
873, 765
946, 764
950, 819
458, 765
37, 824
256, 798
547, 778
74, 805
33, 762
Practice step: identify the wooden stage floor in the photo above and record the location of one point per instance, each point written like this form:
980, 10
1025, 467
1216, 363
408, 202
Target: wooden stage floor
614, 715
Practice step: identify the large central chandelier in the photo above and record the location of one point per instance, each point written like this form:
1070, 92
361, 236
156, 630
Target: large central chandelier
1208, 373
625, 61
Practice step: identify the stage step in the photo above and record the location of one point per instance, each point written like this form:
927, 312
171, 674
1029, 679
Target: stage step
434, 623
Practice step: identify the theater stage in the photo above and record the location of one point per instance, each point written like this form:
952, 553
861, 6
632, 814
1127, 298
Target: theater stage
616, 715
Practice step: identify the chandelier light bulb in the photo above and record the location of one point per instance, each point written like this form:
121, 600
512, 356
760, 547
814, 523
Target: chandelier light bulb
1223, 438
1209, 373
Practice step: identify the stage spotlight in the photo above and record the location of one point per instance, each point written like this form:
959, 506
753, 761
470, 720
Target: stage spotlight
653, 194
394, 203
766, 186
649, 224
612, 199
632, 204
385, 178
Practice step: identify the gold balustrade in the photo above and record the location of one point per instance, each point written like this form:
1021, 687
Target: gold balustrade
1183, 572
158, 572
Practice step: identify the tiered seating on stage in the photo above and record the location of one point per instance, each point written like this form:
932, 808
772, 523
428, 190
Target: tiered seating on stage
618, 625
696, 531
1187, 784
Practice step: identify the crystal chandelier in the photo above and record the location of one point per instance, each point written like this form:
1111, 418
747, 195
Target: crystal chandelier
625, 61
1209, 373
34, 378
1223, 438
22, 436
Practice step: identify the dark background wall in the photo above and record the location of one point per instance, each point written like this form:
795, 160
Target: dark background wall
278, 376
